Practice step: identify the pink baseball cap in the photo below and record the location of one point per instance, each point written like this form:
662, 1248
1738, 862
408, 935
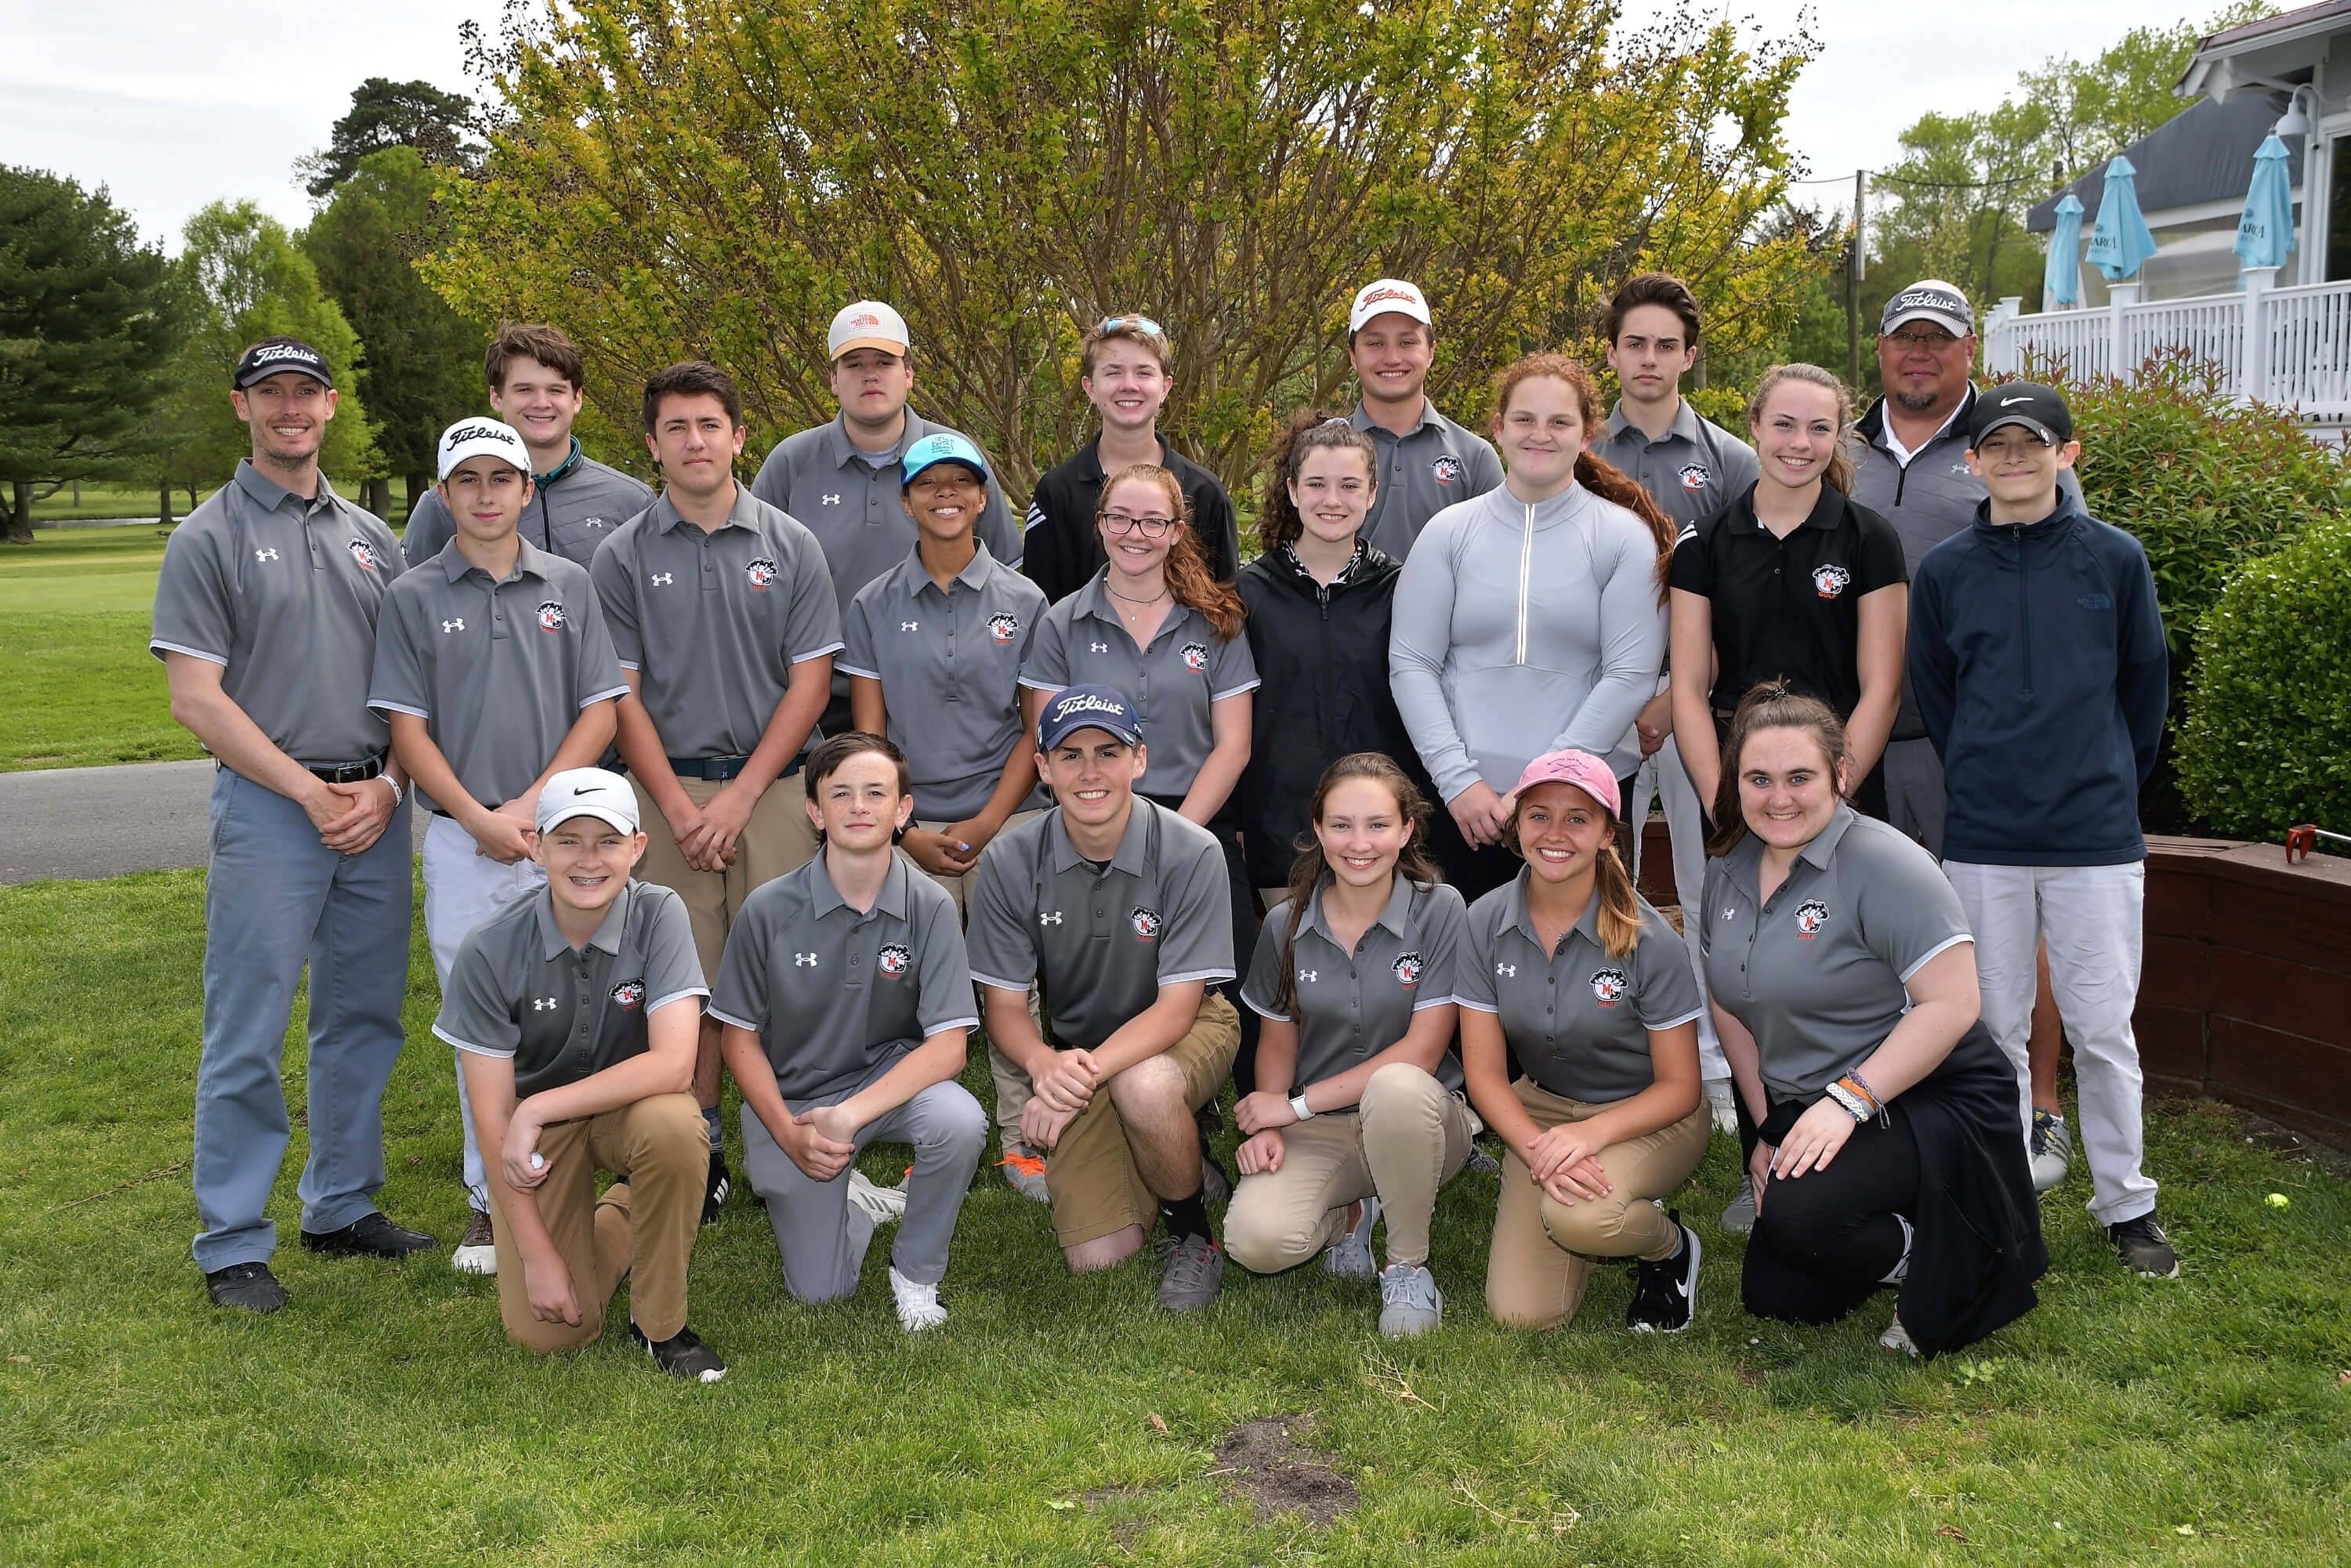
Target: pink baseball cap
1580, 768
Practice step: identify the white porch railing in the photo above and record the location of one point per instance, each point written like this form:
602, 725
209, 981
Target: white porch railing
2288, 346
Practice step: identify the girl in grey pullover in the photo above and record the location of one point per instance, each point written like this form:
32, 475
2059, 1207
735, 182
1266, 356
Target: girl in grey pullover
1531, 619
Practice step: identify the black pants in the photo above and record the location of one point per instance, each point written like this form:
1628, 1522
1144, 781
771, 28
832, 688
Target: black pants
1824, 1242
1243, 898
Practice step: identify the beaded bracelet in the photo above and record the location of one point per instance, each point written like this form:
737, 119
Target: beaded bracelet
1849, 1102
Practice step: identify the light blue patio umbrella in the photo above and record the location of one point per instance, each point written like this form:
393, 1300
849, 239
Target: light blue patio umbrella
2063, 276
2265, 234
2119, 243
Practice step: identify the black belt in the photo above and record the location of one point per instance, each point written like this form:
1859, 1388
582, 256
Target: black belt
720, 767
347, 772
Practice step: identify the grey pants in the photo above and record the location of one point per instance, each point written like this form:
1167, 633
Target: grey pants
823, 1236
274, 898
1914, 791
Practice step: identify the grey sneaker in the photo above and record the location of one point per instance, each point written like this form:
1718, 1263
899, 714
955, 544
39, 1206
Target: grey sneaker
887, 1205
1024, 1168
2146, 1250
477, 1250
1192, 1272
1897, 1340
1739, 1218
1481, 1162
2053, 1150
1410, 1302
1350, 1257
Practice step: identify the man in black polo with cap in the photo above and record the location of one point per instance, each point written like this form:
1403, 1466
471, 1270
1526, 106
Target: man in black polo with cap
264, 620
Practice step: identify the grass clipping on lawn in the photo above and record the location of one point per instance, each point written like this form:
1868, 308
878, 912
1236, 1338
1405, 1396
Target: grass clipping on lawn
383, 1418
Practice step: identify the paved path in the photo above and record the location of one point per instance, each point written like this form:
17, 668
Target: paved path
106, 821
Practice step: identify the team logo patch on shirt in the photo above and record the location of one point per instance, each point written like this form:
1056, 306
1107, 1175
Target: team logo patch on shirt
893, 959
1003, 628
364, 553
1408, 970
1447, 470
1195, 655
1694, 477
761, 572
1609, 986
1828, 581
1147, 924
630, 993
1810, 917
551, 617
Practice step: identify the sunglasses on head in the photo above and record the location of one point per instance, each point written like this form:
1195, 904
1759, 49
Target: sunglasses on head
1142, 324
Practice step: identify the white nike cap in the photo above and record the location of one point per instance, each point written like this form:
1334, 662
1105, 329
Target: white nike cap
476, 437
588, 793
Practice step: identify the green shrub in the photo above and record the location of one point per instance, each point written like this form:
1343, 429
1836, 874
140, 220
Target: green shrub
2266, 742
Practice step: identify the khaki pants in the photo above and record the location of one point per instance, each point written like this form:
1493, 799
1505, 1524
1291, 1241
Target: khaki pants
1011, 1084
644, 1224
1543, 1252
1407, 1138
1091, 1172
779, 838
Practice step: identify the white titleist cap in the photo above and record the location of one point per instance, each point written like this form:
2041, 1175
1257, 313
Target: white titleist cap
476, 437
868, 324
588, 793
1377, 299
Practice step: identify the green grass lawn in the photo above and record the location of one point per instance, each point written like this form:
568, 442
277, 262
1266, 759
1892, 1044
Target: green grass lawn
78, 685
382, 1418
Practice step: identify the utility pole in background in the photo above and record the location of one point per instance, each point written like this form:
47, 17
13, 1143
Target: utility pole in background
1855, 268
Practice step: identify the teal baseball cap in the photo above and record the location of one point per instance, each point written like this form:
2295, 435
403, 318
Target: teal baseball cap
940, 446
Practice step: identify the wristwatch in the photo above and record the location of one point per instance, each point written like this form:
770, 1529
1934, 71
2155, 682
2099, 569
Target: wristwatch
1299, 1108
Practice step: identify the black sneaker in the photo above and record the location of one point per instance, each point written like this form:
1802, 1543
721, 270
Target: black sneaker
250, 1287
714, 1196
1216, 1186
1665, 1293
2146, 1250
368, 1236
683, 1355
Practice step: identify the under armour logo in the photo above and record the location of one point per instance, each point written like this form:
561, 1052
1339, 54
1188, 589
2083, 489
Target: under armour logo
1509, 970
1053, 918
664, 579
1099, 647
264, 555
452, 626
801, 960
833, 499
910, 625
1731, 915
1308, 976
542, 1004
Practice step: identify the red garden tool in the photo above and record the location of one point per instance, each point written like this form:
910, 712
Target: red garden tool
2301, 840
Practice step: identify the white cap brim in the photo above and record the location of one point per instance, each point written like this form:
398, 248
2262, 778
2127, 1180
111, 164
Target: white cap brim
613, 816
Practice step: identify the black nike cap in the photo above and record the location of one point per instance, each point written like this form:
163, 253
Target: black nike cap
2041, 409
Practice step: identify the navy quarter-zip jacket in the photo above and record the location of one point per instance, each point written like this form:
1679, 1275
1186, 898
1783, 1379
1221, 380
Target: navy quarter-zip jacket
2036, 652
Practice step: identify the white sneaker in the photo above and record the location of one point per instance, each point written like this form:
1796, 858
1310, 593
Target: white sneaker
1897, 1340
1350, 1257
2051, 1150
1719, 1091
887, 1205
477, 1250
918, 1306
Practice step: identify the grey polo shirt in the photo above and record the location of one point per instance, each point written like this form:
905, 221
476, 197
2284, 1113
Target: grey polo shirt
1697, 468
949, 665
714, 621
576, 508
1081, 641
834, 993
1422, 474
1578, 1021
283, 594
498, 671
1817, 973
518, 989
1103, 939
1350, 1006
850, 501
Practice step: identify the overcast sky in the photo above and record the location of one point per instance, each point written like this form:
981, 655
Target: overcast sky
172, 105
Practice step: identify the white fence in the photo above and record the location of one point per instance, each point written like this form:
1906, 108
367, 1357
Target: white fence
2290, 347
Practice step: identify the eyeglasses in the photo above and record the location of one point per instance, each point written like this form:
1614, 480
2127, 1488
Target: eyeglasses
1149, 526
1933, 342
1142, 324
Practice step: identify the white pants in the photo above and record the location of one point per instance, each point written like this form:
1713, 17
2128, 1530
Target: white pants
1685, 828
463, 887
2090, 917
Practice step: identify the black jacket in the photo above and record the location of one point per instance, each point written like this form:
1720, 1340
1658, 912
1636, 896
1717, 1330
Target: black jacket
1978, 1252
1060, 553
1323, 655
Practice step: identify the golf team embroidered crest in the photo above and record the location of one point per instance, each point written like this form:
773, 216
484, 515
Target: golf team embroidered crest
893, 960
1195, 655
551, 617
630, 993
1147, 924
1828, 581
1811, 915
1447, 470
761, 572
1003, 628
1694, 477
1609, 986
364, 553
1408, 969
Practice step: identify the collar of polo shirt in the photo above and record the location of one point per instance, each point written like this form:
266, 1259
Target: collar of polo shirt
1824, 845
529, 560
608, 930
824, 898
1362, 418
843, 451
1130, 857
1395, 916
669, 519
272, 494
1685, 426
1587, 925
1828, 509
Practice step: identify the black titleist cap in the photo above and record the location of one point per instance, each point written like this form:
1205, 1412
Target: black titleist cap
2039, 409
276, 356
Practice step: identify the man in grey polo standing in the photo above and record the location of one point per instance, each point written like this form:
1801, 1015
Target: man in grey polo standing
839, 479
1427, 460
264, 620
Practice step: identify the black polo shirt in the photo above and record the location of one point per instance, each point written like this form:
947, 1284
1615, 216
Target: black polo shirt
1061, 550
1789, 608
